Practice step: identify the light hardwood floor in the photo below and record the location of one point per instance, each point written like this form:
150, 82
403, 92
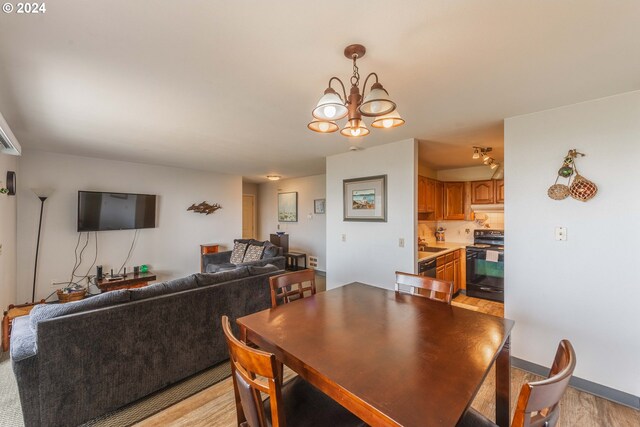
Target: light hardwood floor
215, 406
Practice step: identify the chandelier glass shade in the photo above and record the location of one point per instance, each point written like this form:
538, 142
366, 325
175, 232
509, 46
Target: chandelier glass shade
375, 103
388, 121
323, 126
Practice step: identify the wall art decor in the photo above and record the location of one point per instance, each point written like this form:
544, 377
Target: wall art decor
577, 187
365, 199
204, 208
318, 206
288, 207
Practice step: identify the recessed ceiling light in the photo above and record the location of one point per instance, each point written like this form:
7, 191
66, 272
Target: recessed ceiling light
273, 177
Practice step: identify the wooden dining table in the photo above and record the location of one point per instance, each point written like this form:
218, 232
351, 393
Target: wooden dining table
393, 359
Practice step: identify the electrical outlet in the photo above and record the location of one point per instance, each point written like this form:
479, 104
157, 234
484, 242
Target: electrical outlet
561, 233
401, 242
344, 237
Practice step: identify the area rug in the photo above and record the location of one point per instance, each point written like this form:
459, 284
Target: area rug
11, 412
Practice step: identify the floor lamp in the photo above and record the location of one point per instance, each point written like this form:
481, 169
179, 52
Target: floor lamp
42, 194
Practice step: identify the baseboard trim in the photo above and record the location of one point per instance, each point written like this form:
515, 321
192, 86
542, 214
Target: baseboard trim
599, 390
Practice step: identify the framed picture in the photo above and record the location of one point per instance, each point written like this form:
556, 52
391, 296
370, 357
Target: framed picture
318, 206
365, 199
288, 207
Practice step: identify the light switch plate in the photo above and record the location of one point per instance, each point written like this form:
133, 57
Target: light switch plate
401, 242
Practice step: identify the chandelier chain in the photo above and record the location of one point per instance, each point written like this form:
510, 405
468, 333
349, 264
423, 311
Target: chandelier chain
355, 78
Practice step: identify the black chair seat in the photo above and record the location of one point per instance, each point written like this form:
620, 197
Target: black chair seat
306, 406
473, 418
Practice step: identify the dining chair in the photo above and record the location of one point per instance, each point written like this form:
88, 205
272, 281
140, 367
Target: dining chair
538, 401
435, 289
289, 287
297, 402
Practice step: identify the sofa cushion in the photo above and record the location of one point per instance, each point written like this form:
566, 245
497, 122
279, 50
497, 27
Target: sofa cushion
214, 268
176, 285
48, 311
270, 250
149, 291
208, 279
254, 270
254, 253
237, 254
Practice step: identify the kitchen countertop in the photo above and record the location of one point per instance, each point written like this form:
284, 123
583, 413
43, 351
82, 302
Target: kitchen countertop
449, 247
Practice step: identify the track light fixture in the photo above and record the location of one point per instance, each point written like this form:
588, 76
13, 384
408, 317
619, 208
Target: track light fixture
376, 104
486, 159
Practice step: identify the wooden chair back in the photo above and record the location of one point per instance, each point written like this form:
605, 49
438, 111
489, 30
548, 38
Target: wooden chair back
247, 365
437, 290
289, 287
538, 401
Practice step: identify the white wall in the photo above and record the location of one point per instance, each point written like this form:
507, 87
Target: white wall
587, 288
371, 253
171, 250
308, 235
8, 235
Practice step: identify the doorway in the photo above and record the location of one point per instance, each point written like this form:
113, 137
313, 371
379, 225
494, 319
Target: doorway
248, 216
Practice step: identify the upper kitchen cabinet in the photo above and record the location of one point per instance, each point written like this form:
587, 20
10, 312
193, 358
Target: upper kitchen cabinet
439, 212
499, 186
427, 197
487, 192
454, 207
422, 194
482, 192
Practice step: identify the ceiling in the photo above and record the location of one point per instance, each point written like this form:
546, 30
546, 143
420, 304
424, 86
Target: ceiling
228, 86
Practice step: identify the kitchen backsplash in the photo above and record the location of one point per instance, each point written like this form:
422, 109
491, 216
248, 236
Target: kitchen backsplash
460, 231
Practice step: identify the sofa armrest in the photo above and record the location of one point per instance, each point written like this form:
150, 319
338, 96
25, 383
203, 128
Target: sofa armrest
216, 258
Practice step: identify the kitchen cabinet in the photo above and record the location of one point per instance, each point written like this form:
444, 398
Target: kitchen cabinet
422, 194
454, 208
431, 195
487, 192
499, 190
448, 267
482, 192
439, 211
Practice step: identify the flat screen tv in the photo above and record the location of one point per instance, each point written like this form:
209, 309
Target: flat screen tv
115, 211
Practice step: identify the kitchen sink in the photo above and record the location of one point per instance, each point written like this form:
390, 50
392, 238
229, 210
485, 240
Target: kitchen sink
431, 249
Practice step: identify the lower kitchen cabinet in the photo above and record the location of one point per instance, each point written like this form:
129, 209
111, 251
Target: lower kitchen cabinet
448, 267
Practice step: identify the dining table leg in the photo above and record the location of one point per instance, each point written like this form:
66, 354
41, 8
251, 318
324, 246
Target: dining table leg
503, 384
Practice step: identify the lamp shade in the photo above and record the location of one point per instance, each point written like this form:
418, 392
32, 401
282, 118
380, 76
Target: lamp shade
377, 102
323, 126
330, 107
388, 121
355, 128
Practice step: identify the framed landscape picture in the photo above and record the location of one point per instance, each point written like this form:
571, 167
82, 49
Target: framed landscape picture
318, 206
365, 199
288, 207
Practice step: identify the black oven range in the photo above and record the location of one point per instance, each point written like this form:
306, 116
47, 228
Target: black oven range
485, 265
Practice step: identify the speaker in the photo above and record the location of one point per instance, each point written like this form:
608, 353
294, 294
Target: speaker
99, 272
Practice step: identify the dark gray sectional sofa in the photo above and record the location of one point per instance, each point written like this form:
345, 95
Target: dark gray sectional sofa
220, 261
76, 361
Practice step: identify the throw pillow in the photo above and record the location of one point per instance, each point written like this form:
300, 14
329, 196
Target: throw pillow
208, 279
237, 254
254, 253
254, 270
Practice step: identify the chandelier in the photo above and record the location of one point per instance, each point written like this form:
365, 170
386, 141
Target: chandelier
375, 104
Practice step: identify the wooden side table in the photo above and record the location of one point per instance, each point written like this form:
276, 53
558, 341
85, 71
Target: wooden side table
129, 281
7, 320
292, 260
209, 248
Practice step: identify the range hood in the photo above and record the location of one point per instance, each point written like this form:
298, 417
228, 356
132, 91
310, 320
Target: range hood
8, 142
488, 208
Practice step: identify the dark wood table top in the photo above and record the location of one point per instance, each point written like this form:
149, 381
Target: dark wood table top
131, 279
391, 358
